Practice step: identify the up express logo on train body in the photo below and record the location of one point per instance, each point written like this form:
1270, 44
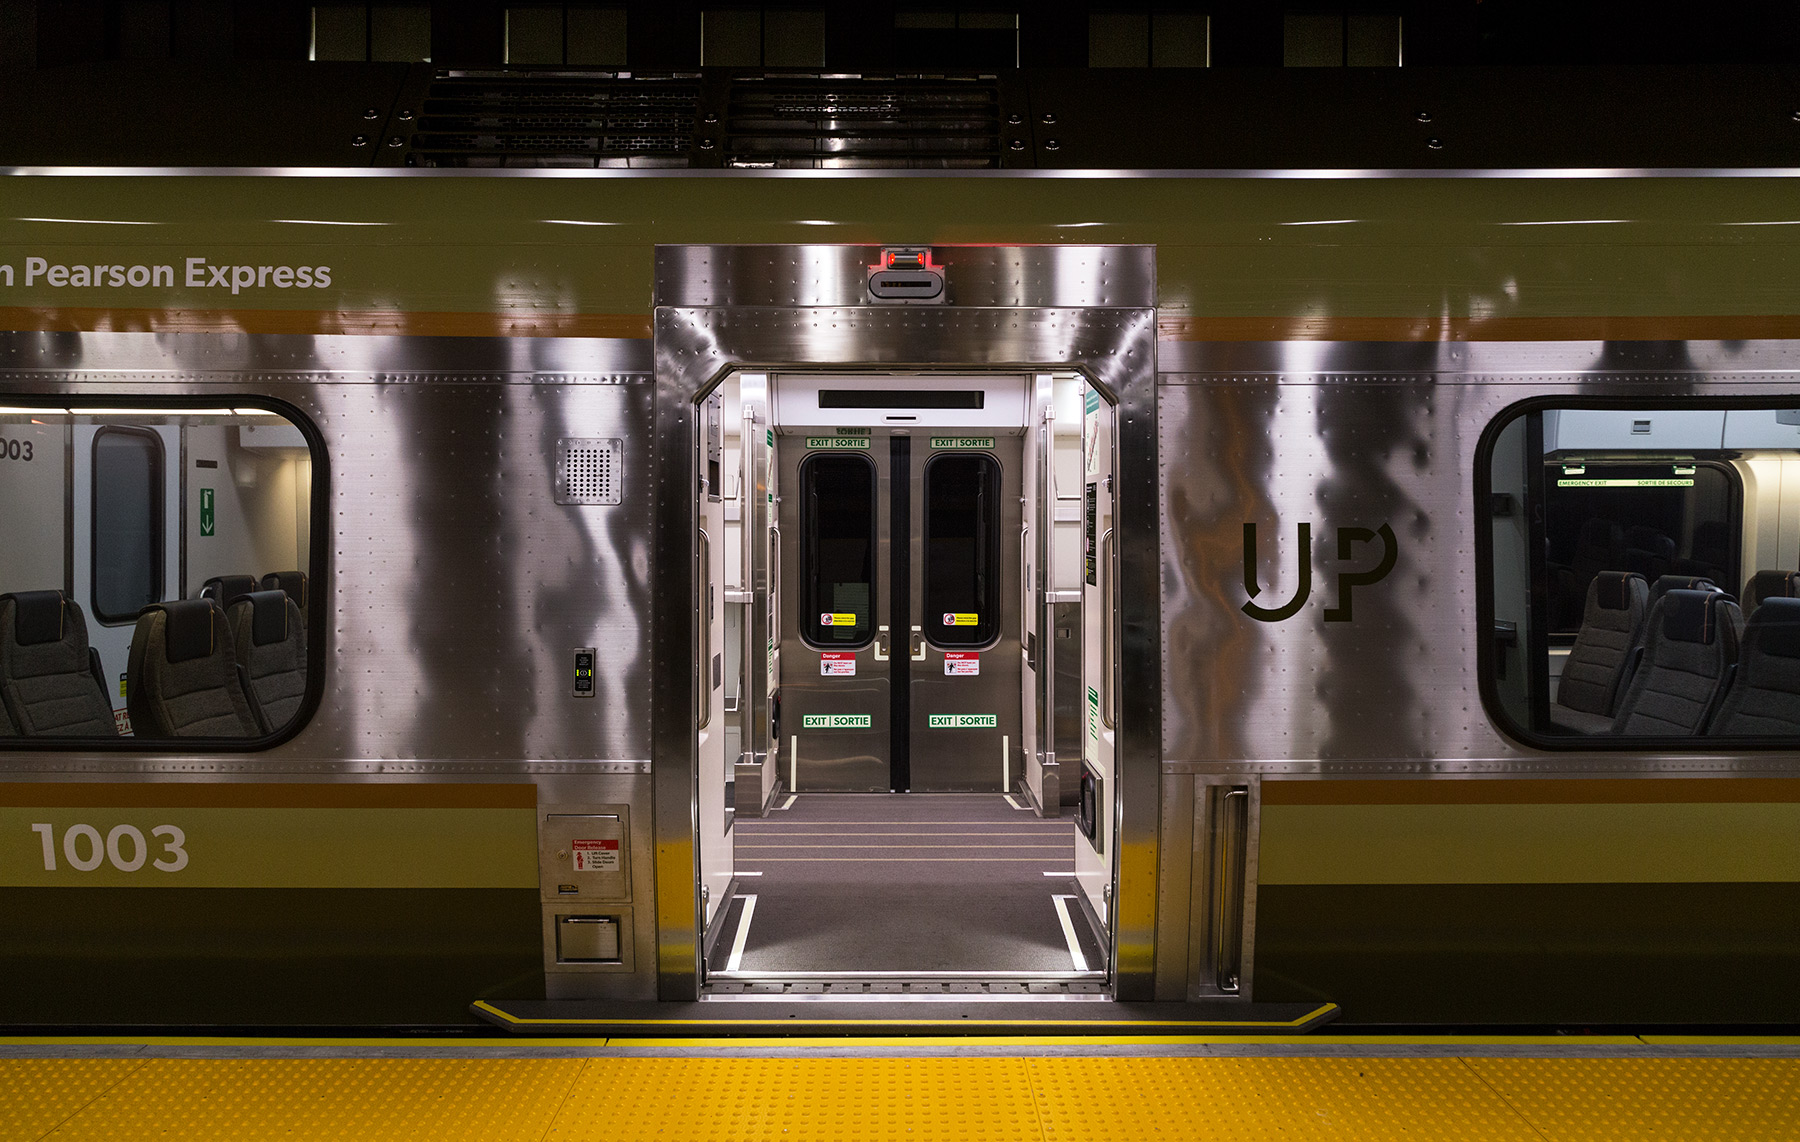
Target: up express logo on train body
191, 273
1348, 540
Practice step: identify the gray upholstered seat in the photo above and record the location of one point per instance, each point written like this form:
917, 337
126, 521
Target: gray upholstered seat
182, 679
269, 640
224, 588
293, 582
1617, 602
49, 678
1769, 585
1689, 649
1663, 584
1764, 697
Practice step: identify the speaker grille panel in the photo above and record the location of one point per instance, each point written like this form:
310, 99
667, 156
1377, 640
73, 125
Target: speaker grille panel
588, 471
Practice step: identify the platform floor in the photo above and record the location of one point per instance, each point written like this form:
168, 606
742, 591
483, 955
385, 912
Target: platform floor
1322, 1088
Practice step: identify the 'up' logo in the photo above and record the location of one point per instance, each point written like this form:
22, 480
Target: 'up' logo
1347, 539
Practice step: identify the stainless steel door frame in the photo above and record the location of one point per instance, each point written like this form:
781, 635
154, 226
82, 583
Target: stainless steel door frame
1010, 309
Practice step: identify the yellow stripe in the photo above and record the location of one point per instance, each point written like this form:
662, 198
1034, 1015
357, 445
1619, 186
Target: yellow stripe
533, 1021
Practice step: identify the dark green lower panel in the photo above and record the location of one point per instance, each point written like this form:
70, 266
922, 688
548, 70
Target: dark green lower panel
264, 957
1563, 954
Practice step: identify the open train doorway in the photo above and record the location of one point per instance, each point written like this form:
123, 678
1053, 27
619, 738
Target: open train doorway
891, 573
900, 742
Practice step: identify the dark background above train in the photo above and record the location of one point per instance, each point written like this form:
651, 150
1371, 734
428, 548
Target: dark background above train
1398, 86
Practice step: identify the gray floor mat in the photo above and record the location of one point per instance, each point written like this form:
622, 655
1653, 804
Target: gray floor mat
905, 882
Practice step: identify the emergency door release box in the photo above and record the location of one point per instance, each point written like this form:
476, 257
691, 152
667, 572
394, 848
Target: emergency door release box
585, 855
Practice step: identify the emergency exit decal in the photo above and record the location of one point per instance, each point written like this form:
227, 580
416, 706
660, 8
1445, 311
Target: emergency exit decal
962, 442
595, 856
964, 721
206, 511
835, 722
837, 664
960, 664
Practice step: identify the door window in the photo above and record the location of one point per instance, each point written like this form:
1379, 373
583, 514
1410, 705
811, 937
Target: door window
837, 550
962, 550
127, 522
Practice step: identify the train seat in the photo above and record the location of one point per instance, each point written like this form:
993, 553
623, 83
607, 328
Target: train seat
50, 678
1617, 602
1689, 650
182, 678
1764, 697
224, 588
293, 582
1663, 584
269, 641
1769, 585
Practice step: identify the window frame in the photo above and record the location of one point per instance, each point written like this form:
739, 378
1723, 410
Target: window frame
1539, 641
318, 562
159, 523
809, 550
988, 626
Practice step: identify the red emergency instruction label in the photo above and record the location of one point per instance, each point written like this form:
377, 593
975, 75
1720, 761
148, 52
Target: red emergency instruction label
961, 664
837, 663
595, 856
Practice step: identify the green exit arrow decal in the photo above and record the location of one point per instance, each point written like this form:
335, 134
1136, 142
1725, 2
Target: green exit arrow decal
206, 511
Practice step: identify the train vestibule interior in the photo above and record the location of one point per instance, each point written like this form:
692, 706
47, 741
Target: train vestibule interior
906, 726
154, 582
1646, 573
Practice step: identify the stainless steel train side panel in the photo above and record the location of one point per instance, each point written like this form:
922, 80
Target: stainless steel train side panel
806, 308
449, 584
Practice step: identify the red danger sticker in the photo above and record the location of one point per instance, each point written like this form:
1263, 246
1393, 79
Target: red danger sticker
839, 664
961, 664
595, 855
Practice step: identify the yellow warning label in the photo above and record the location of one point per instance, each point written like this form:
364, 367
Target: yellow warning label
836, 619
961, 620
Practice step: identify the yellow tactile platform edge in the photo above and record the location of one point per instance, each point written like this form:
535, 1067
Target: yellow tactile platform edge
1060, 1099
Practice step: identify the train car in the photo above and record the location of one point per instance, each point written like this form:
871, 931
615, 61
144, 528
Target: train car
871, 592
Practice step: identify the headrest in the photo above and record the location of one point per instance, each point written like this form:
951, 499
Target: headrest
191, 627
225, 588
1666, 583
293, 582
1772, 585
1775, 627
1689, 616
268, 617
1612, 589
37, 616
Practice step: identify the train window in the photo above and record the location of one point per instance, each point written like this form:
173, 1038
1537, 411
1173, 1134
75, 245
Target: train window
962, 549
1642, 579
157, 577
837, 550
126, 524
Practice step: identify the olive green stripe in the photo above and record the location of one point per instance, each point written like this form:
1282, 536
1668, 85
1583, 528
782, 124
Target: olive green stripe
1529, 844
277, 848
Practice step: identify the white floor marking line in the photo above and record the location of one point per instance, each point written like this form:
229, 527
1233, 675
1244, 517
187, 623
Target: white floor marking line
1007, 797
1069, 873
793, 766
789, 803
1006, 763
736, 959
1062, 913
740, 872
